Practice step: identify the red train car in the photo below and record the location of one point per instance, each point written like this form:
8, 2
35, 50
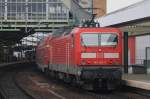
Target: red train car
86, 55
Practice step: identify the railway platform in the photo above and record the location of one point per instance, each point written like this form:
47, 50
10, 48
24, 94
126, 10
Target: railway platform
11, 63
141, 81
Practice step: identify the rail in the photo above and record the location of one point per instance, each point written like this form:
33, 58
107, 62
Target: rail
8, 86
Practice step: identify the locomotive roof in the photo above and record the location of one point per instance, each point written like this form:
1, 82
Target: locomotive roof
87, 24
62, 30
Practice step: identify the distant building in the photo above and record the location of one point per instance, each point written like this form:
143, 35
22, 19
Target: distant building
99, 6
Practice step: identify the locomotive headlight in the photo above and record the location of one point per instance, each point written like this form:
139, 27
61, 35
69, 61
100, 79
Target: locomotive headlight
111, 55
88, 55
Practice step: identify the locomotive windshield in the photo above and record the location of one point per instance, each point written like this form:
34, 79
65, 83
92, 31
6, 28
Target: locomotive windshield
99, 39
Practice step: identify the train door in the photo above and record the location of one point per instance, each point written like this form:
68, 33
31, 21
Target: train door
67, 56
50, 57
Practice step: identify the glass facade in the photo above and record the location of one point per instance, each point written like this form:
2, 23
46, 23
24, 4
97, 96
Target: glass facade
33, 10
2, 9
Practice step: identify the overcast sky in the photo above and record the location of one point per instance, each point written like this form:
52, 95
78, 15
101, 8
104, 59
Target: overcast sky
113, 5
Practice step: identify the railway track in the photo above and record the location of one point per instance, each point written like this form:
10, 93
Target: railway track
117, 94
122, 93
55, 89
8, 87
48, 88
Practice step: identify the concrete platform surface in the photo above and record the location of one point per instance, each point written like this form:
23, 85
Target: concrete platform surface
141, 81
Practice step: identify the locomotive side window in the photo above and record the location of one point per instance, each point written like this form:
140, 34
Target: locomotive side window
99, 39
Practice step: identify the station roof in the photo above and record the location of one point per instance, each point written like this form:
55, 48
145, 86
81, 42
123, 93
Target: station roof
134, 12
12, 36
134, 19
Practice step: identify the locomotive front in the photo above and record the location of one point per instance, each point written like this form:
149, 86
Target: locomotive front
100, 56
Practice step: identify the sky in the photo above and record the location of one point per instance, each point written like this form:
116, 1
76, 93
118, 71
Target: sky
113, 5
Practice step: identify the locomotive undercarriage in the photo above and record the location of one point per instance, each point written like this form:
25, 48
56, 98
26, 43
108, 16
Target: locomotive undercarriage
90, 78
101, 78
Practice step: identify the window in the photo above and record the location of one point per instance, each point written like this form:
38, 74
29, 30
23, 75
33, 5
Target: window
90, 39
109, 39
99, 39
2, 9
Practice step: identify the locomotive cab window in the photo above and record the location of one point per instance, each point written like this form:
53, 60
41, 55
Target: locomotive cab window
89, 39
99, 39
109, 39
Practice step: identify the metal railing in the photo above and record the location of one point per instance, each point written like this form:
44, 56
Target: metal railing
139, 66
24, 14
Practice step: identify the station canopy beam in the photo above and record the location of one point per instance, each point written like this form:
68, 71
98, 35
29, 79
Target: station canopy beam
139, 28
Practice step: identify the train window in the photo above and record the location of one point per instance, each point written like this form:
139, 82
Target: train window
89, 39
99, 39
109, 39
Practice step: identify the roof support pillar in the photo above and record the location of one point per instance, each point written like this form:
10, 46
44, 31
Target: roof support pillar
125, 52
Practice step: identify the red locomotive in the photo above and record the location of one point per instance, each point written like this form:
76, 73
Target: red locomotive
87, 55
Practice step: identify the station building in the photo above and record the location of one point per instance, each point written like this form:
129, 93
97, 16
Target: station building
135, 20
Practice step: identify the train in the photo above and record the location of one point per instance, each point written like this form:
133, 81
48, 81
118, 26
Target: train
86, 55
